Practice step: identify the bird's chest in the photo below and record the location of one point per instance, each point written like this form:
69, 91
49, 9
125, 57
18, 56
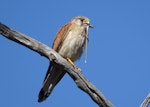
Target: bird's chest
73, 45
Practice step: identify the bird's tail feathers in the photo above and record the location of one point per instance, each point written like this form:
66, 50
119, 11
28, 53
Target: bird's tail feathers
53, 76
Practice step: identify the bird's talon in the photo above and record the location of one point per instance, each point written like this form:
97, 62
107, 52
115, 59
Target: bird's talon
78, 69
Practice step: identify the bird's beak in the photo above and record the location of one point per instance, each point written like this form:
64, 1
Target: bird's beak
91, 26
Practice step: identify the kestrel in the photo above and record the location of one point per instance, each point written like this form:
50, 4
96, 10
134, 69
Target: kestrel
70, 42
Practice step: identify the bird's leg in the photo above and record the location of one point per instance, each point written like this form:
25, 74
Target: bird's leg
70, 61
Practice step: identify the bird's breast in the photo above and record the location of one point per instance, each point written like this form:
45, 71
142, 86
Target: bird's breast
73, 45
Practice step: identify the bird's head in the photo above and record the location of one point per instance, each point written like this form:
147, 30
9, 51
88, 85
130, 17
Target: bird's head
82, 21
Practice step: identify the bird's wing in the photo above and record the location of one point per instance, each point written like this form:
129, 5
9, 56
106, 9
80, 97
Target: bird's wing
54, 73
60, 36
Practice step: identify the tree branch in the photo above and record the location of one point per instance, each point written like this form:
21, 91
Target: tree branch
146, 102
54, 57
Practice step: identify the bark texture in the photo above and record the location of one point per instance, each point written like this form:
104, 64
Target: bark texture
54, 57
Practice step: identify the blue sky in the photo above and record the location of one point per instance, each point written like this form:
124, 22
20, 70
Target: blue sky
118, 52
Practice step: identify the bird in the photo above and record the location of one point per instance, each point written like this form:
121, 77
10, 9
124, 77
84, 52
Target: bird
70, 42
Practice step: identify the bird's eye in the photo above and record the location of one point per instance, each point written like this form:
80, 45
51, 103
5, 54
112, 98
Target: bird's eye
82, 20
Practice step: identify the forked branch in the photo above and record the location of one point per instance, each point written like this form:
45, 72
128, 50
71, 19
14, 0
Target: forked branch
54, 57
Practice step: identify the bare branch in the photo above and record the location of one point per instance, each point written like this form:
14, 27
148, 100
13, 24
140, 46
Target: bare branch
146, 102
54, 57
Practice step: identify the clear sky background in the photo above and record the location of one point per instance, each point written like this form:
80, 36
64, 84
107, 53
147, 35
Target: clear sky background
118, 52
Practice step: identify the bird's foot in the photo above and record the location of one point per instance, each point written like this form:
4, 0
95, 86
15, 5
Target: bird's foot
76, 68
